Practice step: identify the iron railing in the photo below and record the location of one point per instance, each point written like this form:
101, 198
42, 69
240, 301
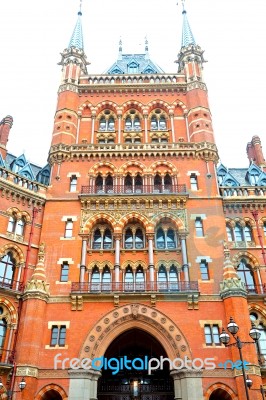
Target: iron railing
134, 287
137, 189
11, 284
256, 289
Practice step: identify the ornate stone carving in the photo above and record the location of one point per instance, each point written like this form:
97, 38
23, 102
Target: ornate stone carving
27, 371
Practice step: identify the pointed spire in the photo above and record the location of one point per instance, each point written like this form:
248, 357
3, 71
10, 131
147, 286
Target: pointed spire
77, 35
120, 49
187, 35
146, 48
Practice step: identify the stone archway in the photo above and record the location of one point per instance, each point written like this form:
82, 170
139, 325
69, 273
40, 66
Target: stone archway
138, 316
146, 319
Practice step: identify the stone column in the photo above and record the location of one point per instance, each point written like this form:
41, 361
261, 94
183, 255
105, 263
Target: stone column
171, 112
83, 259
93, 117
191, 385
151, 258
177, 384
119, 116
117, 257
83, 384
146, 128
184, 257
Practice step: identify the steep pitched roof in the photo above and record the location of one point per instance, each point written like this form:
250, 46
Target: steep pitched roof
134, 64
77, 35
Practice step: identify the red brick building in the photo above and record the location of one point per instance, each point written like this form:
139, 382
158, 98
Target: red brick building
131, 242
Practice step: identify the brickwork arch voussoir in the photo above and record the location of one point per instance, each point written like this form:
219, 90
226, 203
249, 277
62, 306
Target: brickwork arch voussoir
135, 316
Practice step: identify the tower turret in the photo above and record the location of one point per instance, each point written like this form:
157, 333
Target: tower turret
74, 60
5, 126
190, 61
74, 66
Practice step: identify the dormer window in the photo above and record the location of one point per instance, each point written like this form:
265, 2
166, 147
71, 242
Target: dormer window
254, 177
133, 68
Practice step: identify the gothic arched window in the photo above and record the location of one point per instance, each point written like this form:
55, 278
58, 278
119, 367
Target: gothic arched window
239, 233
162, 278
7, 270
166, 239
95, 279
106, 279
229, 232
129, 279
173, 278
139, 279
245, 273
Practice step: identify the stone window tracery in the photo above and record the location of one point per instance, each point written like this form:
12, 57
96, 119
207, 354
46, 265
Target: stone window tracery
246, 275
102, 238
134, 237
166, 238
7, 270
158, 120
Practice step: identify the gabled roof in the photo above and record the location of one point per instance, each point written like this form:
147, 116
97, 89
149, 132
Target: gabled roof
141, 60
241, 176
230, 180
27, 172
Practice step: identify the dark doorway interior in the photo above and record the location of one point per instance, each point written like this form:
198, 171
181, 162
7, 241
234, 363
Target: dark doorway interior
52, 395
220, 394
135, 384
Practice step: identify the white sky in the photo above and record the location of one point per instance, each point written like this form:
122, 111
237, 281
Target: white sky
232, 33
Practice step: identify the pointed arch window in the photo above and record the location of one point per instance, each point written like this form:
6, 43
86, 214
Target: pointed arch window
154, 123
103, 124
239, 233
129, 239
170, 239
102, 239
138, 183
173, 278
262, 341
162, 278
140, 280
158, 183
106, 279
107, 239
245, 273
7, 270
168, 183
20, 225
229, 232
95, 279
128, 184
109, 183
248, 233
99, 183
111, 124
160, 239
3, 329
11, 224
129, 279
134, 238
162, 123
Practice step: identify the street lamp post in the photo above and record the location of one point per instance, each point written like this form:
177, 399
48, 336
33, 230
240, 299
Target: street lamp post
233, 328
9, 393
261, 389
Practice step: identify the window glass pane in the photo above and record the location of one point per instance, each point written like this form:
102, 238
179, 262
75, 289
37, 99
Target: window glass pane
62, 336
245, 274
248, 234
73, 184
140, 275
54, 336
69, 228
106, 276
129, 276
160, 239
170, 239
20, 227
97, 239
193, 182
215, 334
139, 244
11, 225
95, 278
208, 335
199, 227
129, 239
204, 270
229, 234
238, 233
107, 239
162, 276
3, 325
64, 272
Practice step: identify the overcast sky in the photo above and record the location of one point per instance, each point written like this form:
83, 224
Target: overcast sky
232, 33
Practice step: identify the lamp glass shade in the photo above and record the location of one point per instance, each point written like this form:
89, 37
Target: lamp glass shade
232, 327
22, 384
224, 337
254, 333
249, 382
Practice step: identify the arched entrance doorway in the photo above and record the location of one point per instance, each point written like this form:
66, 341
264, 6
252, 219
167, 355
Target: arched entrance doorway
133, 381
51, 395
220, 394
